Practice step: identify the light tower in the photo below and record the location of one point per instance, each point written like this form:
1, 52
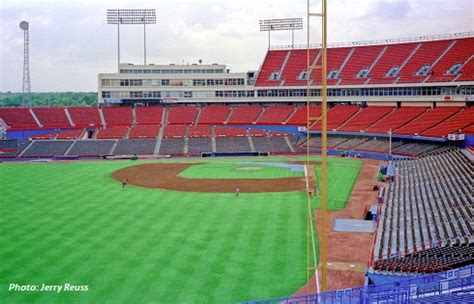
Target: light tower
131, 16
26, 86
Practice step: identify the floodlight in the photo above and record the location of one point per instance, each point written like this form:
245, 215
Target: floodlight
287, 24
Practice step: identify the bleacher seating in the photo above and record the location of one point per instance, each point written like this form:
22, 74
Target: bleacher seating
272, 63
244, 115
117, 116
394, 56
426, 218
11, 148
199, 131
229, 132
52, 117
458, 54
396, 119
427, 54
274, 144
275, 115
427, 120
18, 118
299, 116
138, 146
233, 144
111, 133
197, 145
453, 124
70, 134
144, 131
336, 116
182, 115
149, 115
172, 146
213, 115
91, 147
47, 148
171, 131
361, 58
365, 118
83, 117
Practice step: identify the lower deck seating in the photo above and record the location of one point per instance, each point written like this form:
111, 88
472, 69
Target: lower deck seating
135, 146
92, 147
198, 145
231, 145
172, 146
47, 148
11, 148
70, 134
426, 218
271, 144
112, 133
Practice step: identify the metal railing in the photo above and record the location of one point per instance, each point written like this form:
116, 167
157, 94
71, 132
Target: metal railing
456, 281
422, 38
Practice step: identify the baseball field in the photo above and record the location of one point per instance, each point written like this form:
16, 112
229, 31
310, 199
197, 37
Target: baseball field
177, 233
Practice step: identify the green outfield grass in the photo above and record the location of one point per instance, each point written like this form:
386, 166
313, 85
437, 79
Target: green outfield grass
71, 223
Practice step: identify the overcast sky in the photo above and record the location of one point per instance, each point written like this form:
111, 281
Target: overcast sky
70, 41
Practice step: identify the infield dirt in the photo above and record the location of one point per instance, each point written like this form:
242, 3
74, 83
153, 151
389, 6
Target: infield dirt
165, 176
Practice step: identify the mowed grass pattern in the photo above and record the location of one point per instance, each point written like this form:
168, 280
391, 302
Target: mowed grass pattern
72, 223
234, 170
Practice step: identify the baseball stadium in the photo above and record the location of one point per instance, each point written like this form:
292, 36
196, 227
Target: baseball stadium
331, 173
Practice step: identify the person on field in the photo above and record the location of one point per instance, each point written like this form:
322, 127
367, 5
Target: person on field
237, 192
124, 183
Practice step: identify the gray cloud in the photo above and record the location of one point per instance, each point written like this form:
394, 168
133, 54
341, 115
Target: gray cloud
71, 42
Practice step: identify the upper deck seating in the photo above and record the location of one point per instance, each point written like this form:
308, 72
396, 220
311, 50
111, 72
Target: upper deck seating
275, 115
393, 57
461, 51
18, 118
52, 117
362, 58
213, 115
426, 55
244, 115
272, 64
117, 116
184, 115
149, 115
297, 63
83, 117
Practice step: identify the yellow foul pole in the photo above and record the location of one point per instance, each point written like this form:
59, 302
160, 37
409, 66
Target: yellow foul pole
324, 163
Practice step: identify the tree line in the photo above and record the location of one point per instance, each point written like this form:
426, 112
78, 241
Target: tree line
9, 99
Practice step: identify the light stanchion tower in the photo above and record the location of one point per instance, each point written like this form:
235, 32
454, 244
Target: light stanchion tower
313, 266
131, 16
26, 85
288, 24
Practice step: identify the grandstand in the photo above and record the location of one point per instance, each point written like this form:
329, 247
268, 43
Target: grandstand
407, 102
